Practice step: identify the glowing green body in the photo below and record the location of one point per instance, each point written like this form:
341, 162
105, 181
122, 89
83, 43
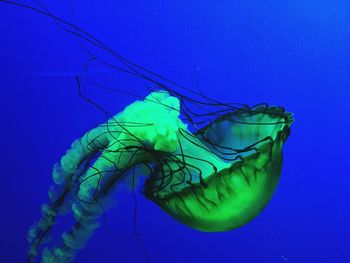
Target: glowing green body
214, 179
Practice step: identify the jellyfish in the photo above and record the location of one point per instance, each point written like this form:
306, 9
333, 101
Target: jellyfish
210, 165
212, 174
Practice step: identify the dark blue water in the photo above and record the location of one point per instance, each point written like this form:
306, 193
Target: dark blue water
289, 53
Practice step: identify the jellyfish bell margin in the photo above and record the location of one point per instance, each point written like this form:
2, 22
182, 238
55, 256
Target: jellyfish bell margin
216, 178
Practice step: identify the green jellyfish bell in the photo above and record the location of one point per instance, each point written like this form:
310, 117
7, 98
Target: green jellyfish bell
232, 192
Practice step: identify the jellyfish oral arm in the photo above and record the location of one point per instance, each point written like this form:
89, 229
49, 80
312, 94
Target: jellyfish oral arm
95, 164
65, 176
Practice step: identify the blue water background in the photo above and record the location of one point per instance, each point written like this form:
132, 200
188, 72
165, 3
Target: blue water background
289, 53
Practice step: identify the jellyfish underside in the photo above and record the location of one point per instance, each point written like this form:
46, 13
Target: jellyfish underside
192, 176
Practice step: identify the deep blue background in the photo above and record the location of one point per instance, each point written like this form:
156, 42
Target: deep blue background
290, 53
